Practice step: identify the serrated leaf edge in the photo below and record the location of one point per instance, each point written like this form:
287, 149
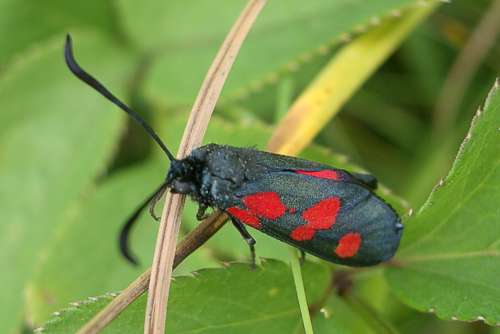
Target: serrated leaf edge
480, 111
58, 316
465, 142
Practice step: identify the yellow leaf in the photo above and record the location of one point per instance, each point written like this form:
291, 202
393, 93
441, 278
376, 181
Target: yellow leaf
341, 78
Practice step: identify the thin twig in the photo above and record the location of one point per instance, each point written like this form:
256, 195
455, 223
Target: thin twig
201, 112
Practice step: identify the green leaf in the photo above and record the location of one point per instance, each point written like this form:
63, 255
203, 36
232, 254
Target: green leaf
25, 23
56, 136
186, 38
338, 80
236, 299
449, 262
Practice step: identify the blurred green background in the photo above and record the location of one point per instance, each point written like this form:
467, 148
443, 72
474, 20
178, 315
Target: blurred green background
72, 167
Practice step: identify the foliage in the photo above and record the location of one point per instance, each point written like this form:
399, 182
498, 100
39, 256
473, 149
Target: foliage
72, 167
271, 308
453, 241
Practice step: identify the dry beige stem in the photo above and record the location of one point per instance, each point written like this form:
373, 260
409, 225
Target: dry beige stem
203, 107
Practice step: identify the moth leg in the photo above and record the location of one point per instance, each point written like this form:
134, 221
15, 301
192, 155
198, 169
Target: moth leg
154, 201
248, 238
367, 179
302, 257
201, 214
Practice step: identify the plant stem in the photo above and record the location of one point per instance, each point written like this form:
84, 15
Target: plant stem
161, 270
301, 293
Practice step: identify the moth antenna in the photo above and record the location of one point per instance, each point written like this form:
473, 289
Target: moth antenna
129, 223
92, 82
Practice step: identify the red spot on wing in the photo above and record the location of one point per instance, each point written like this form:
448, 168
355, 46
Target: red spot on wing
262, 204
302, 233
265, 204
244, 216
322, 174
348, 245
322, 215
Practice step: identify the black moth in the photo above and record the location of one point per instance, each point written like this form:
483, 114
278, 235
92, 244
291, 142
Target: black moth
319, 209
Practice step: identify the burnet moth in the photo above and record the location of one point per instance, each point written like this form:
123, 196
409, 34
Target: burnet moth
321, 210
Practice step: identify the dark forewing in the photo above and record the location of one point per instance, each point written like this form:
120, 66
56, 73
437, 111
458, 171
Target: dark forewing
315, 210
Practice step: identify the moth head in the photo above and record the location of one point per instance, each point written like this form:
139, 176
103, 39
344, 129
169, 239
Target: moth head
181, 176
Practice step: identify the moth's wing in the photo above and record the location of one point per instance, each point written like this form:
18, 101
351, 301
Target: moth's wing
265, 162
339, 221
259, 162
